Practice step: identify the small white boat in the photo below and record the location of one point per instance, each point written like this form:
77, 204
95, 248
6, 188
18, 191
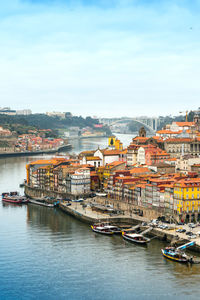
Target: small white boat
135, 238
101, 229
41, 203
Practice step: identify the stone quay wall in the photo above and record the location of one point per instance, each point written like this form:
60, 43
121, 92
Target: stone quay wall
33, 192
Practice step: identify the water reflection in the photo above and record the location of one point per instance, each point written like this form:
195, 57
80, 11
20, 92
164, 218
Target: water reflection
55, 256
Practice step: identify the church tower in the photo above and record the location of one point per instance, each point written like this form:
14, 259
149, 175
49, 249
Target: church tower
142, 132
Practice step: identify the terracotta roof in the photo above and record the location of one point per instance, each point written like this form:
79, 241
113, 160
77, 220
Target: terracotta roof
90, 158
111, 152
166, 131
93, 173
184, 124
139, 170
115, 163
178, 140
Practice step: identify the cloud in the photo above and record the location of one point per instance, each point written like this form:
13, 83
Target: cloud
125, 58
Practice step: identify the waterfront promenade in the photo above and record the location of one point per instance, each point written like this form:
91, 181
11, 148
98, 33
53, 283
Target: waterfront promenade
33, 153
87, 215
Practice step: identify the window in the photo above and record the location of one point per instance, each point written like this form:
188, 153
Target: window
193, 189
187, 190
197, 196
192, 196
187, 196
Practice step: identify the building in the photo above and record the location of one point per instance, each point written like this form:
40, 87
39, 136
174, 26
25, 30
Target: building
24, 112
7, 111
187, 199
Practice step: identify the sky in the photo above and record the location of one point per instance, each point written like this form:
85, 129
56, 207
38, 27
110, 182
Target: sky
107, 58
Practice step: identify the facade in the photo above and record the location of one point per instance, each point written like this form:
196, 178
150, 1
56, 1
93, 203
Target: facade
182, 146
187, 198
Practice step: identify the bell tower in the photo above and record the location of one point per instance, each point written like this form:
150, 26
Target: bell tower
142, 132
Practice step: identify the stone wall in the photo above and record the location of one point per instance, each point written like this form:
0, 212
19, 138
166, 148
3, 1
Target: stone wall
32, 192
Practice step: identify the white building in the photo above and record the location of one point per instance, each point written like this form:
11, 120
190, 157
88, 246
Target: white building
80, 182
141, 156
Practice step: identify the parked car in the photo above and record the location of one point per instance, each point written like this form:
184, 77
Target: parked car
189, 233
181, 230
193, 236
92, 195
144, 224
191, 225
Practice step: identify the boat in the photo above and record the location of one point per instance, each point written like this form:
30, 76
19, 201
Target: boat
10, 199
177, 254
109, 226
135, 238
14, 197
102, 230
41, 203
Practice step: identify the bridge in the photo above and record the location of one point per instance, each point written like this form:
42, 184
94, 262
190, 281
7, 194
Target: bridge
149, 123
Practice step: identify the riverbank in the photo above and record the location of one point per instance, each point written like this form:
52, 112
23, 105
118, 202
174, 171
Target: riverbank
33, 153
87, 215
87, 137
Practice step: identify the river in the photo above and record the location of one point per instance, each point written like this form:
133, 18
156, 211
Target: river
46, 254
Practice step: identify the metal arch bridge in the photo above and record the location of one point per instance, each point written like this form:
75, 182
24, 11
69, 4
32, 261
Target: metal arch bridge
143, 122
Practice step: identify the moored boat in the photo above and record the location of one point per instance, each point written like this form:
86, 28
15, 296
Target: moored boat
177, 254
173, 254
135, 238
101, 229
115, 229
10, 199
14, 197
41, 203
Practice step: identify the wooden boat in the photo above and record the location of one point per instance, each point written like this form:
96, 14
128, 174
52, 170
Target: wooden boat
113, 228
109, 226
41, 203
177, 254
14, 197
13, 200
135, 238
101, 229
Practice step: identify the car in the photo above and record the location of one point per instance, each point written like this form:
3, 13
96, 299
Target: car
181, 223
189, 233
92, 195
183, 230
144, 224
193, 236
165, 226
191, 225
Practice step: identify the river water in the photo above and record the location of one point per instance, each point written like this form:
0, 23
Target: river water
46, 254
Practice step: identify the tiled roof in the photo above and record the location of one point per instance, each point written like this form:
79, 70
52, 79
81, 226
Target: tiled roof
139, 170
111, 152
184, 124
90, 158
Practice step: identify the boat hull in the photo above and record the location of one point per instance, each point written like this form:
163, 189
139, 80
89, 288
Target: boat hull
102, 231
180, 260
41, 203
132, 240
12, 201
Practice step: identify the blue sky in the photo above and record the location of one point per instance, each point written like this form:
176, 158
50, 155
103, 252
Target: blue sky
104, 58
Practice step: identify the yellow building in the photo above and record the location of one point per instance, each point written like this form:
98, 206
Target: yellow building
110, 168
187, 196
111, 141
